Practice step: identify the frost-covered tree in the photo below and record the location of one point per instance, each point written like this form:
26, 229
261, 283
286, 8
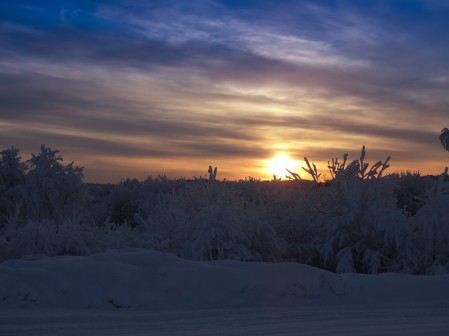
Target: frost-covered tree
12, 177
12, 169
444, 138
54, 190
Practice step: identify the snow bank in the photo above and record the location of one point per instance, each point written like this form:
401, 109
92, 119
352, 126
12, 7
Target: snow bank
144, 279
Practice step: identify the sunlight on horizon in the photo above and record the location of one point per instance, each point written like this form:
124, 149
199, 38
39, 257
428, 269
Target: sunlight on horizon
279, 164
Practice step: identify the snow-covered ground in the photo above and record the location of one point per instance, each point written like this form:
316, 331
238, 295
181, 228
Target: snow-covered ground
142, 292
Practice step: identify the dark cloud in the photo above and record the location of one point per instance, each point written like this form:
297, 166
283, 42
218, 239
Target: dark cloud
103, 48
89, 106
153, 148
339, 127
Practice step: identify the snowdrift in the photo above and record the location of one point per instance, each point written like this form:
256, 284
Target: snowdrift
145, 279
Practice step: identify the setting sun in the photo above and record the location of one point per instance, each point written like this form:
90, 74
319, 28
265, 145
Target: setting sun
278, 165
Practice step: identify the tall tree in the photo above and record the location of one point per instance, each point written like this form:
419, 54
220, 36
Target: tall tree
12, 169
55, 190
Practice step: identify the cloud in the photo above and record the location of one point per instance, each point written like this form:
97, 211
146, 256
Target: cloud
212, 79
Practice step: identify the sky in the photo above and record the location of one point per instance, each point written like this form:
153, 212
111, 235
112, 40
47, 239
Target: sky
140, 88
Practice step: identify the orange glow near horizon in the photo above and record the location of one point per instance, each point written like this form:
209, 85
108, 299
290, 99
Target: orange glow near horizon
279, 164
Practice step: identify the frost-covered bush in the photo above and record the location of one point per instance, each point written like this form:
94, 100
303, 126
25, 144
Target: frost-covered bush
430, 226
410, 189
120, 204
12, 178
357, 168
352, 225
47, 237
210, 221
54, 191
360, 221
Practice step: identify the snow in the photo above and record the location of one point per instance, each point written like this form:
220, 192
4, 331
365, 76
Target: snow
143, 292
